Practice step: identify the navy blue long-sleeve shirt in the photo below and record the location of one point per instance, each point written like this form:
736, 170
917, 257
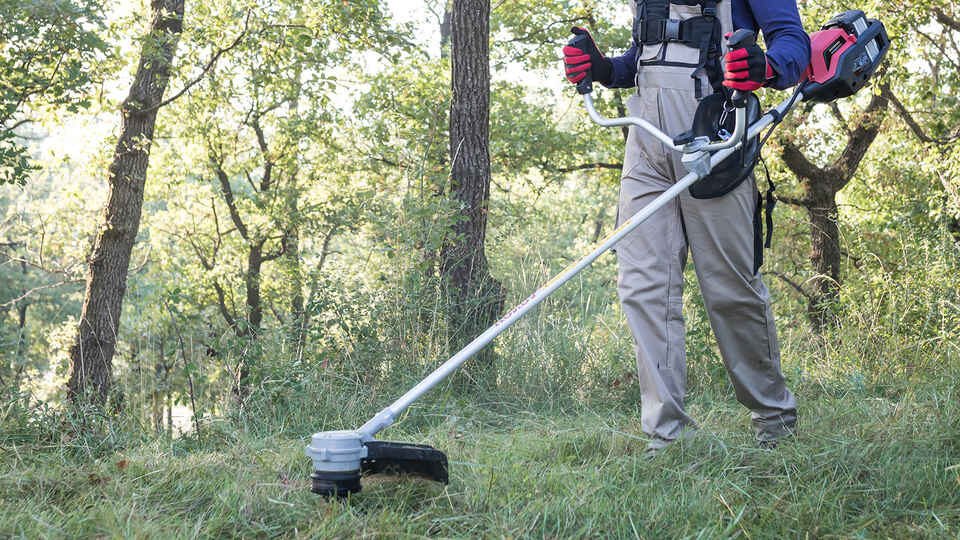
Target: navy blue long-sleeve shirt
788, 45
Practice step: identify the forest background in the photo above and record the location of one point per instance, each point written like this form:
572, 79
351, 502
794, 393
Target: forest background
301, 212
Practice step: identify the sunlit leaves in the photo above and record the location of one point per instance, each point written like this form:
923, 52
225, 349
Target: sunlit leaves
46, 48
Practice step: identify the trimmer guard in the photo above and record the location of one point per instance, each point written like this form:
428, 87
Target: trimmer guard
405, 459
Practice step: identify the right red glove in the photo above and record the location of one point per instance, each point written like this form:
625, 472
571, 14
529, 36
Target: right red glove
585, 58
747, 68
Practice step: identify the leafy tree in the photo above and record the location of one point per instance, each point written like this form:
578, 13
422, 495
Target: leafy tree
91, 355
265, 129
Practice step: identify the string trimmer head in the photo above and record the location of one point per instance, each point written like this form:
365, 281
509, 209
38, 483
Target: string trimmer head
341, 458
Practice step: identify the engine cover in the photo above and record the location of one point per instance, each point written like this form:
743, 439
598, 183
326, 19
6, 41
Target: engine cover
845, 55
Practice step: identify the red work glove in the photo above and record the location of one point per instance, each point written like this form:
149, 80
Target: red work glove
747, 69
586, 58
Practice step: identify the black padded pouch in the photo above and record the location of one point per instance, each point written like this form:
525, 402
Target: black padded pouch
735, 169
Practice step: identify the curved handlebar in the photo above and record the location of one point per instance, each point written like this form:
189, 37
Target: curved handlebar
627, 121
697, 146
741, 38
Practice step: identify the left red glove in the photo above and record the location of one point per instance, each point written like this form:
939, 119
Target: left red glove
586, 58
747, 69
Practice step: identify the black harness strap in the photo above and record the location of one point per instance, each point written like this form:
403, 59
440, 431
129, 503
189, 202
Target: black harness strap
770, 204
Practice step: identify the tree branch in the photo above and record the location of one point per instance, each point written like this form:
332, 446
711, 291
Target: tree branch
793, 284
835, 110
859, 142
222, 305
206, 68
266, 179
798, 163
28, 293
802, 201
912, 123
228, 197
946, 20
272, 256
589, 167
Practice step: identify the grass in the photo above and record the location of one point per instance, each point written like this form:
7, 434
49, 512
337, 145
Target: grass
862, 466
554, 450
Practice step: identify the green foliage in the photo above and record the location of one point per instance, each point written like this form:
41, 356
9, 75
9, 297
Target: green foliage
46, 51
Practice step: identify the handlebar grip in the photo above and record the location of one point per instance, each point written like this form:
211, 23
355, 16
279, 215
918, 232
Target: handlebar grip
741, 38
585, 86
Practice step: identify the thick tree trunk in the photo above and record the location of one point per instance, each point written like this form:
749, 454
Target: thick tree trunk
825, 258
820, 188
91, 355
475, 297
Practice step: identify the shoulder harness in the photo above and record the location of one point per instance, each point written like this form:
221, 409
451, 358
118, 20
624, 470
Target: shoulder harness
653, 26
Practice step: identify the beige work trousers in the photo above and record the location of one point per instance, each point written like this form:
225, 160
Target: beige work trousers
721, 235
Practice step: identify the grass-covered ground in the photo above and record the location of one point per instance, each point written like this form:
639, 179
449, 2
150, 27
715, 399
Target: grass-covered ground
862, 467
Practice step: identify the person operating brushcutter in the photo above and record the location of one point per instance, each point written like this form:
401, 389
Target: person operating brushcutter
678, 58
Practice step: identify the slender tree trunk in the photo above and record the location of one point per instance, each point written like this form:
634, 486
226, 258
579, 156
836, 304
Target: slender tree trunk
475, 298
825, 258
291, 250
445, 29
91, 355
159, 378
169, 398
20, 354
298, 318
251, 326
20, 358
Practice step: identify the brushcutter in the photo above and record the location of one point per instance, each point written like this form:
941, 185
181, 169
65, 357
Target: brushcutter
846, 54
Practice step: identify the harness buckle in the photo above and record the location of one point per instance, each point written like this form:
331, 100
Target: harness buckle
709, 8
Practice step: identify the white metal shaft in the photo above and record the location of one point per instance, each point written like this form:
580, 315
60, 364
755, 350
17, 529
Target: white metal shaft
387, 416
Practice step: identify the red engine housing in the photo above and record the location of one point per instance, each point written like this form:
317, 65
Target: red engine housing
845, 55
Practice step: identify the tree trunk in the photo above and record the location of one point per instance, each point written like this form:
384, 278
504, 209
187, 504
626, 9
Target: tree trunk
445, 29
475, 298
820, 188
20, 358
291, 250
91, 355
251, 325
20, 354
254, 294
825, 258
298, 318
